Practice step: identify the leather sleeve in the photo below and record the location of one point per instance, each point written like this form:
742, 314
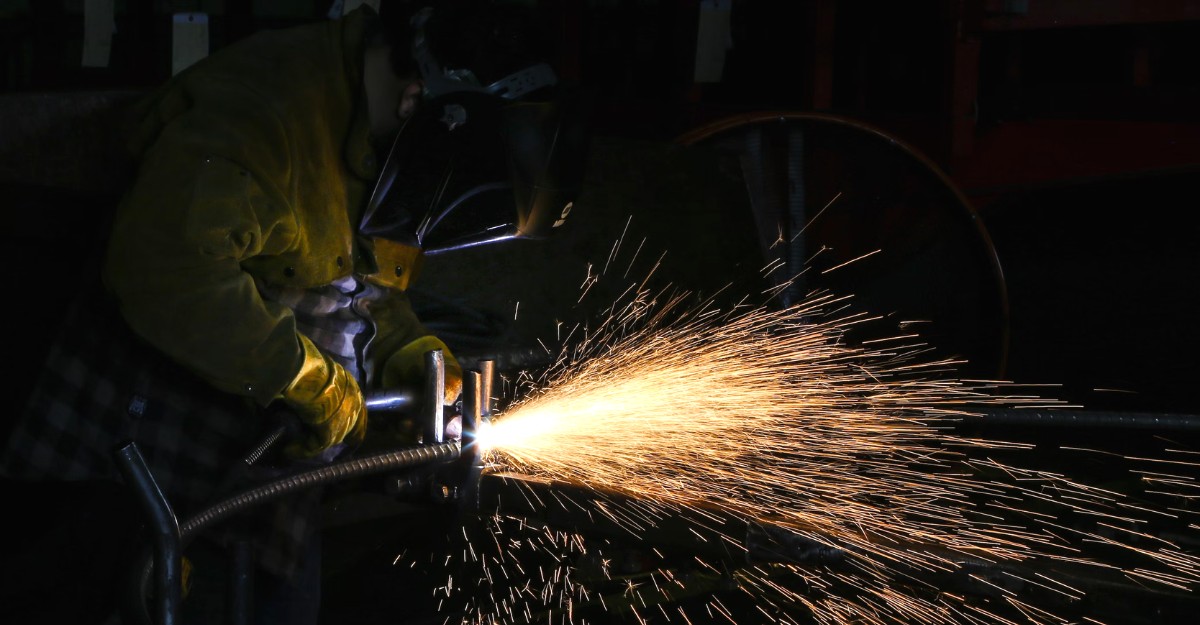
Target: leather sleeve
197, 211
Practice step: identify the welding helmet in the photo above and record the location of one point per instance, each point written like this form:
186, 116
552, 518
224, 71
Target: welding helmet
479, 163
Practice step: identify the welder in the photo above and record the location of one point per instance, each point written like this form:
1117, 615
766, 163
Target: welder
287, 189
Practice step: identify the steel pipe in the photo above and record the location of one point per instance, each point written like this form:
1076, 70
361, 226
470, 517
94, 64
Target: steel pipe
167, 537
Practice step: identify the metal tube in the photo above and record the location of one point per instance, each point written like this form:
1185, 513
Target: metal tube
241, 587
167, 540
472, 409
434, 397
1090, 419
470, 465
392, 399
487, 375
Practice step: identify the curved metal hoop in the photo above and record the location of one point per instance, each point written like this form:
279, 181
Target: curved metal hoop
781, 209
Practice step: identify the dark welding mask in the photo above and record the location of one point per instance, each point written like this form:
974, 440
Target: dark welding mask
478, 164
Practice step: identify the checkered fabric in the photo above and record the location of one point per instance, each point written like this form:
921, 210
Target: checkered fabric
102, 386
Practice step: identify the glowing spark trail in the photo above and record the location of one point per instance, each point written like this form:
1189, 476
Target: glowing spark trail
767, 415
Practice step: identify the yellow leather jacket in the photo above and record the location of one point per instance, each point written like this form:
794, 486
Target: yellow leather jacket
255, 163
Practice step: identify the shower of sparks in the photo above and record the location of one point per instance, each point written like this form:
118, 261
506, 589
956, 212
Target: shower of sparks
769, 416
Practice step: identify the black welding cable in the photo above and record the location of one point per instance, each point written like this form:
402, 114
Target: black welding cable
345, 470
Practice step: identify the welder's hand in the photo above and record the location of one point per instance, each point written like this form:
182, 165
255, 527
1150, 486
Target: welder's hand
406, 367
453, 431
327, 399
185, 575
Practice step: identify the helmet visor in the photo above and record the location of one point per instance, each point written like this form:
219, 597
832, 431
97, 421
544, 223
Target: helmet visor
472, 168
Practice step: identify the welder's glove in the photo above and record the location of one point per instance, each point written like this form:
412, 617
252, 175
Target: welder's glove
406, 367
328, 401
185, 570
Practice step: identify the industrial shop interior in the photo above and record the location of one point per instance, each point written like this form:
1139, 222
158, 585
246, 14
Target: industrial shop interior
571, 312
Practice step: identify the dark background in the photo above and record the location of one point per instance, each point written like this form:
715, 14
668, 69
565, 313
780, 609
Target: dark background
1068, 128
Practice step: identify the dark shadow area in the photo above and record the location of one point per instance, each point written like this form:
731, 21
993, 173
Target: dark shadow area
1103, 284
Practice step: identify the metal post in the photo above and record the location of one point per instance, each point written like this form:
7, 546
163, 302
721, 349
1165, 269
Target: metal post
472, 414
167, 543
241, 591
434, 397
487, 375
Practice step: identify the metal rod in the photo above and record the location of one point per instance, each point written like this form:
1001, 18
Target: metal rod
391, 399
1089, 419
166, 536
487, 376
470, 463
434, 397
241, 587
472, 410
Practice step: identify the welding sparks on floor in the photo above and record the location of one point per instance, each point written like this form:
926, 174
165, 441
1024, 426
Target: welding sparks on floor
768, 416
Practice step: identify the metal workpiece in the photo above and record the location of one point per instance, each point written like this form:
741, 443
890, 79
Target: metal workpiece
470, 462
241, 586
167, 537
390, 400
473, 399
433, 398
457, 483
487, 380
